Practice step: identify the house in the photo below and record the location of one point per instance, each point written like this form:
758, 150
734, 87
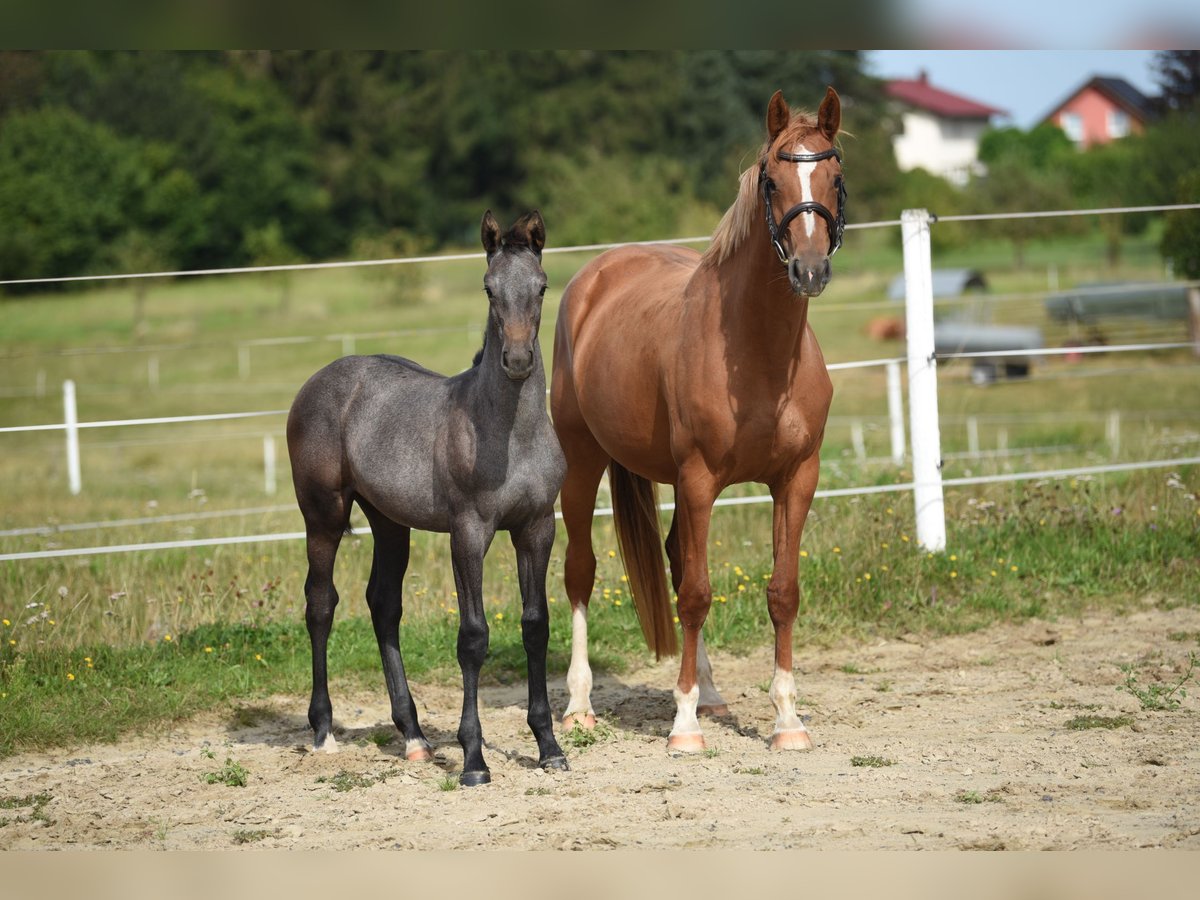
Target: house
940, 130
1102, 110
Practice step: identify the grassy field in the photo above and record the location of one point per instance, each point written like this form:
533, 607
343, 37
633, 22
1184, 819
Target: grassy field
97, 644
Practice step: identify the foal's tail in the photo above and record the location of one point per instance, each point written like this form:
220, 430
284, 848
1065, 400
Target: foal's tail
635, 514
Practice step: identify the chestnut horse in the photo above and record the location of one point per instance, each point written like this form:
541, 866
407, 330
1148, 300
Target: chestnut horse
701, 371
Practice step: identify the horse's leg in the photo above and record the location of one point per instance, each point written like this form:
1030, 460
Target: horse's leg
792, 500
711, 702
321, 597
385, 597
694, 496
585, 464
469, 541
533, 544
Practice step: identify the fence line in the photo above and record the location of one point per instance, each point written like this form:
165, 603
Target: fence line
1065, 351
213, 417
458, 257
1051, 213
393, 261
666, 507
49, 530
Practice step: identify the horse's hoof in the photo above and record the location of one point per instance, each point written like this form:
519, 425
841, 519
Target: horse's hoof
419, 753
555, 763
796, 739
474, 779
716, 709
586, 721
685, 743
328, 745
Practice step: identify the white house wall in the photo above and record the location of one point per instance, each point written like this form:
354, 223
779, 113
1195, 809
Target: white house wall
945, 147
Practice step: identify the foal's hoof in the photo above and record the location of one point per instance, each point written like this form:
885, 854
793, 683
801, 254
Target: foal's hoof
586, 721
474, 779
327, 745
556, 764
796, 739
685, 743
418, 753
716, 709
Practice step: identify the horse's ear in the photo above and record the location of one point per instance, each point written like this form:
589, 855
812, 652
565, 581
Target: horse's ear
778, 115
489, 231
533, 229
829, 116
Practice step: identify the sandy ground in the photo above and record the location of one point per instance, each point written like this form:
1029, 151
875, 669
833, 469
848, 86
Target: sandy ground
974, 726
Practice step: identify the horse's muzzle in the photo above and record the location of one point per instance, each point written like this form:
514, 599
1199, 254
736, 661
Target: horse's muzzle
809, 277
517, 363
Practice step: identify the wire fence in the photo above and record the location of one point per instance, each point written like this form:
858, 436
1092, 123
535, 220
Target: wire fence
348, 340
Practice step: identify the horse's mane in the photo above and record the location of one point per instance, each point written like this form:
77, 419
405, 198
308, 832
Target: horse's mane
735, 224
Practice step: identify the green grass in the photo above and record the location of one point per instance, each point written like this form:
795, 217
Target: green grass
1158, 696
94, 646
251, 836
232, 774
1085, 723
871, 762
345, 780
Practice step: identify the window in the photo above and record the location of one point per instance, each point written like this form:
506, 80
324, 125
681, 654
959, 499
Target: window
1072, 124
1118, 123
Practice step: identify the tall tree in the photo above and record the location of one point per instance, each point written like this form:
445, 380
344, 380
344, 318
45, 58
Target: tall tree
1178, 75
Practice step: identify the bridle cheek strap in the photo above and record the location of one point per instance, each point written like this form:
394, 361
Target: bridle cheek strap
836, 224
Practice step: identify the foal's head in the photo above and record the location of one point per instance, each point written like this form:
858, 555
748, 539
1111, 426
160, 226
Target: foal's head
801, 187
515, 285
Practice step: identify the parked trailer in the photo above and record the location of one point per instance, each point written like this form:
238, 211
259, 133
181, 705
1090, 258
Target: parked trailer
970, 337
1090, 302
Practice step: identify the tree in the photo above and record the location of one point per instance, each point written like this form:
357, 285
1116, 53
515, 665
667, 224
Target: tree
1178, 75
68, 188
1181, 237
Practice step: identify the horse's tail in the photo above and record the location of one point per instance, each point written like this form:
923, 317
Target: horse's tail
635, 515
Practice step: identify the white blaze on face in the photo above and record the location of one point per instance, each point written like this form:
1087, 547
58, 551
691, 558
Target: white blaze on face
805, 170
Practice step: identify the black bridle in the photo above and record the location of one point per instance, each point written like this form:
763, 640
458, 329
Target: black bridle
836, 224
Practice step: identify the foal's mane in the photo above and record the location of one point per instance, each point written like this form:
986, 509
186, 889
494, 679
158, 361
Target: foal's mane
735, 224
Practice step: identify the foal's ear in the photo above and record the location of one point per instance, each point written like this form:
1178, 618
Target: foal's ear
489, 230
778, 115
829, 116
531, 227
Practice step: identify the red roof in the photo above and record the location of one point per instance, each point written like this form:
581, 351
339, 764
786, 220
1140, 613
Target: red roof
920, 93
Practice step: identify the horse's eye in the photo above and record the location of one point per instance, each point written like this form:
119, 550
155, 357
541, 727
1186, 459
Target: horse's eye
542, 292
487, 290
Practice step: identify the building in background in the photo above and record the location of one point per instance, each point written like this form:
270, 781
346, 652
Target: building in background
939, 130
1103, 109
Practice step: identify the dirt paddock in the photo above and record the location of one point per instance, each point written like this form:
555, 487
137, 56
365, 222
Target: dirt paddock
974, 728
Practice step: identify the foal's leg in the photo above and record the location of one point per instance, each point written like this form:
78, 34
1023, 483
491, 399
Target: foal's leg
710, 703
386, 601
585, 464
694, 496
321, 598
469, 541
533, 544
792, 500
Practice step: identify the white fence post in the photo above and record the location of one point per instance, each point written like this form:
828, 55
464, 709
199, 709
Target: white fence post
269, 463
922, 380
895, 412
858, 441
1113, 432
71, 418
973, 435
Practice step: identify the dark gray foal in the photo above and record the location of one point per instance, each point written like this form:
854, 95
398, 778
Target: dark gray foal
469, 455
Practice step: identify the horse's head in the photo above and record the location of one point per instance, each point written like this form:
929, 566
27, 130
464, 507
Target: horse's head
515, 285
800, 181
